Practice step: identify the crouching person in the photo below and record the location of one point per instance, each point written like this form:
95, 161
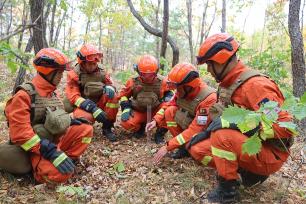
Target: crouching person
44, 138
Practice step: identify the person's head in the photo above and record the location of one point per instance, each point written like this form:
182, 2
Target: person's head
89, 57
50, 63
219, 53
147, 68
185, 78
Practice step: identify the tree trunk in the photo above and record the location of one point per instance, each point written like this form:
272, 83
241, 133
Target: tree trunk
156, 32
165, 29
10, 22
302, 16
100, 32
297, 48
87, 29
157, 26
59, 27
223, 28
211, 23
2, 6
52, 23
22, 70
203, 21
189, 17
24, 20
70, 27
37, 8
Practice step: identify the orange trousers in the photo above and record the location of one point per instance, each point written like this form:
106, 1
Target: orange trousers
227, 154
109, 106
74, 142
137, 119
201, 151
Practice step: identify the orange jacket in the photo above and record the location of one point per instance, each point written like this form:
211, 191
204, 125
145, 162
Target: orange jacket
18, 112
72, 90
194, 128
255, 90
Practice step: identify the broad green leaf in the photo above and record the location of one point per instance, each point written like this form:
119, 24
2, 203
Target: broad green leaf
289, 103
119, 167
299, 111
71, 190
251, 121
290, 126
12, 66
234, 114
267, 130
252, 145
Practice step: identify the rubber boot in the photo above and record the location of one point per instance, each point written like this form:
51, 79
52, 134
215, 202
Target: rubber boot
140, 133
250, 179
107, 131
226, 192
180, 153
159, 135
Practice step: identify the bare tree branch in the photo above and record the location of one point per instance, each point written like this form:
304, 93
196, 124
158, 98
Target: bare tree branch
17, 31
2, 5
155, 32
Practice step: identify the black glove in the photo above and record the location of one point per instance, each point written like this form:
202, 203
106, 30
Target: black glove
59, 159
88, 105
168, 96
78, 121
99, 115
219, 123
125, 105
198, 138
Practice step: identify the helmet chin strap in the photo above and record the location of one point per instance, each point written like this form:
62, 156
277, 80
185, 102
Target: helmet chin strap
49, 80
219, 76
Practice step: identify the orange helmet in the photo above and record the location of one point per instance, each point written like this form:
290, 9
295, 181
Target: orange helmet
89, 53
218, 47
48, 60
183, 74
147, 64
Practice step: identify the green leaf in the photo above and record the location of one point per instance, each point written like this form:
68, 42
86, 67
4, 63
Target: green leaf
303, 99
71, 190
234, 114
12, 66
119, 167
290, 126
267, 127
252, 145
250, 122
63, 5
299, 111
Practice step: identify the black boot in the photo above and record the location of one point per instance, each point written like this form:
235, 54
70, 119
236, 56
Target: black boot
140, 133
226, 192
159, 135
250, 179
107, 131
180, 153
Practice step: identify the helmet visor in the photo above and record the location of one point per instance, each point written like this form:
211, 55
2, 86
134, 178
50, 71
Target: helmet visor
147, 76
94, 58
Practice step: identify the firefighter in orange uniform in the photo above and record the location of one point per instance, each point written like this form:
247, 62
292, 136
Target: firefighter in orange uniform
40, 128
247, 88
141, 94
90, 89
187, 115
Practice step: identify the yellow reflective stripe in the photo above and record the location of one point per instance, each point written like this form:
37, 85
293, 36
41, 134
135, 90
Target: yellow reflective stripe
86, 140
171, 124
79, 101
225, 123
59, 159
180, 139
161, 111
31, 143
123, 98
126, 110
267, 130
112, 105
206, 160
223, 154
97, 112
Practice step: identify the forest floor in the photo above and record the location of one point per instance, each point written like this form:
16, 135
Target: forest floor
122, 172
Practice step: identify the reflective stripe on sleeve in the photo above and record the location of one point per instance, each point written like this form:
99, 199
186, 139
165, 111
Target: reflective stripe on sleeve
161, 111
112, 105
123, 98
223, 154
180, 139
79, 101
86, 140
205, 161
171, 124
31, 143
